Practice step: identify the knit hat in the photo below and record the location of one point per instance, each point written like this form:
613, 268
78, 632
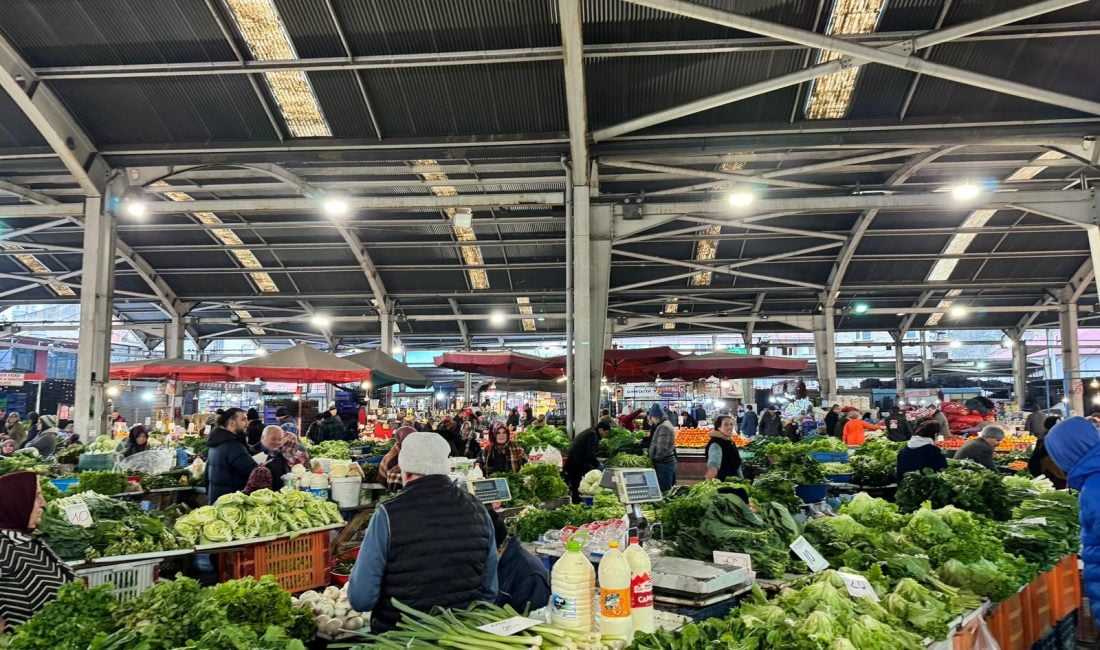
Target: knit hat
426, 454
656, 411
1070, 441
48, 422
403, 432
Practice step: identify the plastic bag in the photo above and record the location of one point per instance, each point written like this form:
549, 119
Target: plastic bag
546, 456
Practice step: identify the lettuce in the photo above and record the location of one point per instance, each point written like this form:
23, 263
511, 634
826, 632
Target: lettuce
216, 532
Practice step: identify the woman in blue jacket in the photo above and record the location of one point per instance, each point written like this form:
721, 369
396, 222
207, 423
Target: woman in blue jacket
1074, 444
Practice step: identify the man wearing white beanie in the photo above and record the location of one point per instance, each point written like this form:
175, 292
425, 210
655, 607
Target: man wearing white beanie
431, 545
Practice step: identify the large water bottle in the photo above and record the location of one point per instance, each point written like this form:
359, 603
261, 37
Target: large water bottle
572, 582
641, 587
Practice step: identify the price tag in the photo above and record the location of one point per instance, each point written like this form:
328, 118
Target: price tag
1035, 521
809, 554
743, 560
510, 626
858, 587
78, 514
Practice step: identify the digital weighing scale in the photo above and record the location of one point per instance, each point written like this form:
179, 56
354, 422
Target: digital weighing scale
633, 486
490, 490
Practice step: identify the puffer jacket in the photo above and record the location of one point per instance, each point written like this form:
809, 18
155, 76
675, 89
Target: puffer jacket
1074, 444
228, 464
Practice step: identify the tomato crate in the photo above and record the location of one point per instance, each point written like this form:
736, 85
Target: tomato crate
128, 579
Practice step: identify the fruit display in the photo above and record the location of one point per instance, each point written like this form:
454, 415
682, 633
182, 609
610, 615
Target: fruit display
1017, 443
692, 438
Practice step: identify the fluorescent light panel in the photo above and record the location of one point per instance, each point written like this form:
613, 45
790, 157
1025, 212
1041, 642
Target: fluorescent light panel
830, 96
35, 265
671, 307
524, 304
263, 30
471, 253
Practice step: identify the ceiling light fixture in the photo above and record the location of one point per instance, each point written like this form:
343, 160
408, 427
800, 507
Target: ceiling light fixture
860, 308
966, 191
397, 349
321, 320
261, 352
335, 205
497, 318
956, 344
135, 208
958, 311
740, 198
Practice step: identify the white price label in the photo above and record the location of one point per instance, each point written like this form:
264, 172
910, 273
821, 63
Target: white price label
809, 554
858, 586
510, 626
1035, 521
78, 514
743, 560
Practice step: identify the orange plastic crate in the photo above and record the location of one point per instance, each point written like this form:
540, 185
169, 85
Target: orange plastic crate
1038, 605
1066, 587
298, 564
1007, 625
966, 636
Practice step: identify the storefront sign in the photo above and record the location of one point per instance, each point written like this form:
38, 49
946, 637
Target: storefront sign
12, 378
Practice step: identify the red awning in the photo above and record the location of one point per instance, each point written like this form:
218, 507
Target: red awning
502, 364
175, 369
625, 366
721, 365
304, 364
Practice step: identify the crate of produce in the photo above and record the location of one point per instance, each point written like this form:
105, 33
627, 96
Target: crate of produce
1005, 624
128, 579
98, 461
829, 456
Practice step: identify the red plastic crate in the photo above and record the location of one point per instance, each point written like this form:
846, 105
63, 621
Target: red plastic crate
1066, 587
299, 563
1038, 605
1006, 623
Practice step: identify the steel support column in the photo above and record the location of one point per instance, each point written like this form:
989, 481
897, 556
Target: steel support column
825, 353
1071, 359
899, 366
592, 243
385, 318
174, 334
1019, 370
96, 305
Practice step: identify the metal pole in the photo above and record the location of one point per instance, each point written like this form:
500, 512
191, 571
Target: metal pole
899, 368
96, 298
872, 55
1071, 359
825, 352
570, 398
1019, 370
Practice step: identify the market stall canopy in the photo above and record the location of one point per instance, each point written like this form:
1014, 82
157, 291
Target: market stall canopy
303, 364
524, 385
625, 366
721, 365
387, 371
502, 364
175, 369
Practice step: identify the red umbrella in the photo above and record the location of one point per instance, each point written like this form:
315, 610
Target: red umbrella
502, 364
625, 366
176, 369
721, 365
303, 364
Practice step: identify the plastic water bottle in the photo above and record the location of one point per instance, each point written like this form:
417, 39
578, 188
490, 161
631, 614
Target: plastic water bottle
572, 582
641, 587
614, 593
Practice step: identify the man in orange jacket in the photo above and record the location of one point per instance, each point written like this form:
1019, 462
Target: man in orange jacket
855, 430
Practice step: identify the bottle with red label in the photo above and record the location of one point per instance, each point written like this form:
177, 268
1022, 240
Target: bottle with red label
641, 587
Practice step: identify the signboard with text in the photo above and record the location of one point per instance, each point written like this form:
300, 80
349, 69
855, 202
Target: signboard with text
12, 378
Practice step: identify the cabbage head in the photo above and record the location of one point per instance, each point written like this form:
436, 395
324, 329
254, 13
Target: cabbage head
217, 532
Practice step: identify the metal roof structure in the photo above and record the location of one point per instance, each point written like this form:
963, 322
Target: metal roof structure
237, 120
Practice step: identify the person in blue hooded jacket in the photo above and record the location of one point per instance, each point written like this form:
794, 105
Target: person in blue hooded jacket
1074, 444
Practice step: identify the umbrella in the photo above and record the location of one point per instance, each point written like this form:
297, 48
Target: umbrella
176, 369
625, 366
303, 364
502, 364
726, 366
387, 371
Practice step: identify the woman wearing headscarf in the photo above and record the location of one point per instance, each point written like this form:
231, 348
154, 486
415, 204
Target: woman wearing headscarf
502, 455
388, 470
136, 443
30, 573
471, 447
8, 447
15, 428
293, 450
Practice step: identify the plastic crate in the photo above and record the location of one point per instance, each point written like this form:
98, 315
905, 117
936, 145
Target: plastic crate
829, 456
1066, 587
1038, 606
63, 484
1005, 624
838, 478
812, 493
298, 564
129, 579
98, 461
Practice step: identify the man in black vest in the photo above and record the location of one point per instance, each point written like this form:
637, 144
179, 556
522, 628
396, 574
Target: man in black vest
433, 544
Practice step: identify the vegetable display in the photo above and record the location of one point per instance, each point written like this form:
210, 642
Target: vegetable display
533, 522
544, 436
875, 463
621, 441
118, 528
1044, 529
101, 482
590, 483
629, 460
333, 611
69, 455
334, 449
240, 516
245, 614
964, 484
535, 483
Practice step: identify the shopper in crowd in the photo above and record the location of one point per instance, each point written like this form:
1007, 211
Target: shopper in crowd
809, 424
723, 459
502, 455
662, 448
228, 462
137, 442
628, 419
314, 431
14, 428
293, 450
980, 450
34, 427
749, 422
941, 418
432, 520
687, 420
605, 416
471, 446
771, 424
791, 431
8, 447
528, 415
522, 581
31, 573
1035, 423
448, 430
868, 418
3, 422
254, 430
897, 425
1040, 463
921, 452
389, 471
68, 435
46, 440
332, 427
269, 453
832, 421
540, 421
1074, 445
855, 429
581, 457
513, 418
286, 422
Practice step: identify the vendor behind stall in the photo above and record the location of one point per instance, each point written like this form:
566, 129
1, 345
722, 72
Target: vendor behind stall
723, 459
855, 429
502, 455
581, 457
389, 471
228, 462
921, 452
522, 580
136, 443
30, 573
980, 450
